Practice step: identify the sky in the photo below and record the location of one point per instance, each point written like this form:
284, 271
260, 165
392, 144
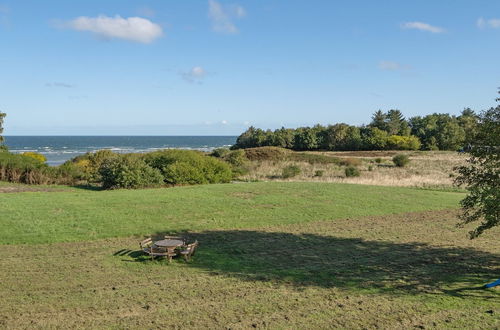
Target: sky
214, 67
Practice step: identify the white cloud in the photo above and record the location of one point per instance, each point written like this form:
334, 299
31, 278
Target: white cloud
135, 29
422, 27
194, 75
222, 17
493, 23
224, 122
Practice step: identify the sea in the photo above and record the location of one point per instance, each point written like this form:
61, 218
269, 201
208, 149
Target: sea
58, 149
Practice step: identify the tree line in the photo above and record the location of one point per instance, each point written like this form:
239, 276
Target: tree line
387, 131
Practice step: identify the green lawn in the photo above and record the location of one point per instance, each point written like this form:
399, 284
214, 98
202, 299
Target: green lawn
41, 217
271, 255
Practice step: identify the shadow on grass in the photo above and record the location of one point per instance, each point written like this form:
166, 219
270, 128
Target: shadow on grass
87, 187
326, 261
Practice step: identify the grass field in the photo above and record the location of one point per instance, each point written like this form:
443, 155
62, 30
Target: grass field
272, 255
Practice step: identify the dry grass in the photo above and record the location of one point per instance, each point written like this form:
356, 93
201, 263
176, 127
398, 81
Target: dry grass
426, 169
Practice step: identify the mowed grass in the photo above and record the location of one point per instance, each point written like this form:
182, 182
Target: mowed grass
271, 255
43, 217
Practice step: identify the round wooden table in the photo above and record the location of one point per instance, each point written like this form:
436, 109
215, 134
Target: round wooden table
169, 243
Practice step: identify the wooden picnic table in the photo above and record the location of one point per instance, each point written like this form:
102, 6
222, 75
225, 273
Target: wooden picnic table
169, 243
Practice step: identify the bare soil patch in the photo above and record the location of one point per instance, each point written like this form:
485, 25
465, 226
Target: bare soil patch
26, 188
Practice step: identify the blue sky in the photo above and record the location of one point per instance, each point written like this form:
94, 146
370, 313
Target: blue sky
164, 67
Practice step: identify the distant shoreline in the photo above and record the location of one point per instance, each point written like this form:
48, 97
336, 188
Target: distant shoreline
60, 148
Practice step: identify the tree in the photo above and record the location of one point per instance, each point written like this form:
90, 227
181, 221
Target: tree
468, 121
481, 175
438, 131
378, 120
252, 137
396, 123
282, 137
305, 139
2, 116
341, 137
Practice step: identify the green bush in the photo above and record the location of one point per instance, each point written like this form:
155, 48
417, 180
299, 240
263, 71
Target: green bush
87, 166
238, 162
189, 167
4, 148
220, 152
319, 173
370, 168
290, 171
378, 160
351, 171
21, 169
128, 171
236, 157
401, 160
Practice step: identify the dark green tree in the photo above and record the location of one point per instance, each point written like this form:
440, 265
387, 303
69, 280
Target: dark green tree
438, 131
341, 137
378, 120
468, 121
396, 123
252, 137
282, 137
374, 138
481, 175
305, 138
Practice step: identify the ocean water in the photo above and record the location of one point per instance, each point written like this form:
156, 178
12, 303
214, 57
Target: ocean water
59, 149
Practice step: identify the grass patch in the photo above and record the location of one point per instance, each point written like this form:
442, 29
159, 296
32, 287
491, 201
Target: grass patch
77, 215
412, 270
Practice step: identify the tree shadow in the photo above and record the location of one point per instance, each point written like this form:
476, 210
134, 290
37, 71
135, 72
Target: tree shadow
326, 261
88, 187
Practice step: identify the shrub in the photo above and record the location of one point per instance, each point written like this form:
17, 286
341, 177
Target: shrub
220, 152
370, 168
4, 148
189, 167
401, 160
238, 162
290, 171
21, 169
35, 155
68, 173
378, 160
88, 165
128, 172
319, 173
236, 157
351, 171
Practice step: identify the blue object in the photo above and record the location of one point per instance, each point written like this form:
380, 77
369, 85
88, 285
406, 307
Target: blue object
492, 284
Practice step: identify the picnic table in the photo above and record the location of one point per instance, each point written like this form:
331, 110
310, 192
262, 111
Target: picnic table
169, 243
